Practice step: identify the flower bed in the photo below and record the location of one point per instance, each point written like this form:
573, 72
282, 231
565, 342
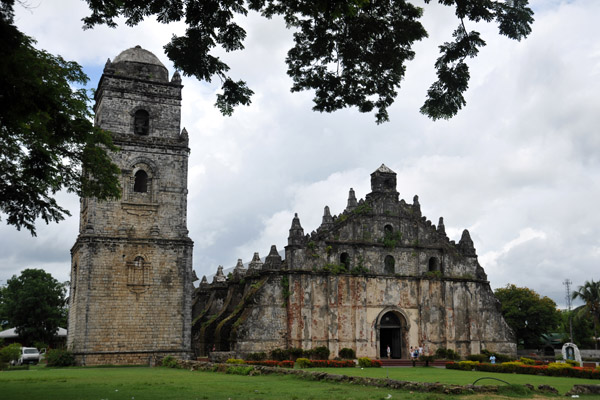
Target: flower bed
552, 369
365, 362
272, 363
331, 364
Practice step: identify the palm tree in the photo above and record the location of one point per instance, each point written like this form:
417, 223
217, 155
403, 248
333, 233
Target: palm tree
590, 294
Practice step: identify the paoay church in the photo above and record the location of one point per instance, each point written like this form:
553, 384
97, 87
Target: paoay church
378, 274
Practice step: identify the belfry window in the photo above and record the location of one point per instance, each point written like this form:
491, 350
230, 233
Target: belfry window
141, 122
388, 230
140, 184
434, 264
389, 265
345, 260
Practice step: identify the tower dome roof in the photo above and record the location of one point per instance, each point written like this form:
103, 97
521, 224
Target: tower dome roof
140, 63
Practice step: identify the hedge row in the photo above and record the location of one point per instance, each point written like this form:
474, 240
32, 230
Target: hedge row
272, 363
293, 353
306, 363
552, 369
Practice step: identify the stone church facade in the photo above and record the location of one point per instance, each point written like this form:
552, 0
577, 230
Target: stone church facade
131, 271
377, 274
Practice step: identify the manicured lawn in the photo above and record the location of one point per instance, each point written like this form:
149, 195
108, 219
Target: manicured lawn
141, 383
450, 376
163, 384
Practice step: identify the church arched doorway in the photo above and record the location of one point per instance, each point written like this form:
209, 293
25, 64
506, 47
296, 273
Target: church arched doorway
391, 333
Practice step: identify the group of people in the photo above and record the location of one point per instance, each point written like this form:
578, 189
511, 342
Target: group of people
415, 352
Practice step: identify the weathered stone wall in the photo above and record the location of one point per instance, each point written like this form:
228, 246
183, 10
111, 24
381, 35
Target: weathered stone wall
344, 310
131, 273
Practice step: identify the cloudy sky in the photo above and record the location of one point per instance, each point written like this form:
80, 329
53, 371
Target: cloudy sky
519, 166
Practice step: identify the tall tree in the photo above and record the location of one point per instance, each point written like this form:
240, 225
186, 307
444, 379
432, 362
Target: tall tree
528, 314
34, 303
350, 52
590, 294
49, 142
583, 328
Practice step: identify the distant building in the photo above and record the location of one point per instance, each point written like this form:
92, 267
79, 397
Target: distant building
131, 272
378, 274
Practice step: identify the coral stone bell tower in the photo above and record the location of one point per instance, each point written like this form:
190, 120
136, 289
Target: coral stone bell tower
131, 269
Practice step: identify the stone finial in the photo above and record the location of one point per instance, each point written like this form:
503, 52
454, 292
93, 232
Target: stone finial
352, 203
183, 136
465, 245
441, 229
416, 206
239, 270
108, 67
273, 260
176, 78
327, 218
255, 264
219, 277
204, 281
296, 236
194, 276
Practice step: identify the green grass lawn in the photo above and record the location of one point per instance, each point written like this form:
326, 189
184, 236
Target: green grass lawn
163, 384
452, 376
141, 383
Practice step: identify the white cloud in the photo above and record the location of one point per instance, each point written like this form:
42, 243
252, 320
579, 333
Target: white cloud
519, 166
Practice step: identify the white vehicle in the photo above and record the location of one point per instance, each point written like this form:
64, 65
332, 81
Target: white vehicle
29, 355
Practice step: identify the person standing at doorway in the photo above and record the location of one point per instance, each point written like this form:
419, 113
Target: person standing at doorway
389, 351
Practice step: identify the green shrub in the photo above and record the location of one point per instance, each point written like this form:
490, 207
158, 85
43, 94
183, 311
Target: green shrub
335, 269
510, 366
558, 366
295, 352
478, 357
279, 354
364, 362
10, 353
320, 353
527, 361
239, 370
257, 356
572, 363
234, 361
169, 362
467, 365
500, 358
303, 363
347, 353
452, 355
440, 352
60, 358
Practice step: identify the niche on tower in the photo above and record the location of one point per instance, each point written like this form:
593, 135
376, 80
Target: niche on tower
140, 188
140, 120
